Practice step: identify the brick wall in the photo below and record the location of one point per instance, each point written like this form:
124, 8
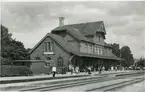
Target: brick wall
58, 52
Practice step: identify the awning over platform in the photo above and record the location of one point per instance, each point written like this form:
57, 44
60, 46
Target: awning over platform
113, 57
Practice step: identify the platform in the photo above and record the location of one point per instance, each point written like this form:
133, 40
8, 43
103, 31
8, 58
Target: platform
5, 80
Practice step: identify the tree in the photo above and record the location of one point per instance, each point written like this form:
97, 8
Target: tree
127, 56
11, 49
124, 53
141, 62
115, 49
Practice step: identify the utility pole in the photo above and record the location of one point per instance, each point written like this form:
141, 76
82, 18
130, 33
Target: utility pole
120, 58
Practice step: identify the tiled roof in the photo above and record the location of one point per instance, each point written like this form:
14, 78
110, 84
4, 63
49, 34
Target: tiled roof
107, 45
60, 40
74, 32
113, 57
89, 28
79, 31
64, 45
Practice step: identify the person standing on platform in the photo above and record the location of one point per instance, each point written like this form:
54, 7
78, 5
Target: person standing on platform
103, 68
100, 69
77, 69
112, 68
54, 71
86, 69
89, 70
72, 69
69, 67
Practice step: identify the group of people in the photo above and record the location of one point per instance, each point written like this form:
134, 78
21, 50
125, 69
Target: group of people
73, 69
76, 69
87, 69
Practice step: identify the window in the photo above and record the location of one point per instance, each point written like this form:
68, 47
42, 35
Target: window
108, 52
48, 58
92, 49
89, 49
82, 48
37, 58
60, 62
48, 46
95, 50
105, 52
98, 50
99, 38
101, 51
47, 63
86, 48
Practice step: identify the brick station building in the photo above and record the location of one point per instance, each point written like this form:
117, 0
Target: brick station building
76, 44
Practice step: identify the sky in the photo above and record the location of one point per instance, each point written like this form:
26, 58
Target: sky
124, 21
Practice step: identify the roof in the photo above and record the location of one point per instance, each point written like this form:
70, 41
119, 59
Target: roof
64, 45
74, 32
60, 40
89, 28
79, 31
107, 45
113, 57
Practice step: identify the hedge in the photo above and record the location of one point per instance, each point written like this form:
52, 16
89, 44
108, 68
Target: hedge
12, 70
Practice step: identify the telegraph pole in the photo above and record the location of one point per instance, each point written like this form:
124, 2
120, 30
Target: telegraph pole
120, 58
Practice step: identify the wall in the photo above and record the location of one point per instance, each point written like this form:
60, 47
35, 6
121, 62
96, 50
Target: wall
96, 39
108, 51
58, 52
86, 47
91, 38
39, 68
72, 42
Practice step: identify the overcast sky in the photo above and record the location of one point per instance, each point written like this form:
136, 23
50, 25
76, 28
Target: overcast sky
124, 21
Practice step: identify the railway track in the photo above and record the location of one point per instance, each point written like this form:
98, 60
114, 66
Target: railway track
62, 85
116, 86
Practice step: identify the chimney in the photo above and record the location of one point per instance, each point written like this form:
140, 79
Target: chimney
61, 21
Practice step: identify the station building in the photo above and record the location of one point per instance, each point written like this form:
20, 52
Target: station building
76, 44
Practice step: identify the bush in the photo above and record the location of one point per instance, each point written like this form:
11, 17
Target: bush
11, 70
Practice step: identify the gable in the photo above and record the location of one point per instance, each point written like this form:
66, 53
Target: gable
101, 28
55, 38
39, 47
69, 37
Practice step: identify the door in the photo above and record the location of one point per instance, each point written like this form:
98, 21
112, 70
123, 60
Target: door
60, 63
